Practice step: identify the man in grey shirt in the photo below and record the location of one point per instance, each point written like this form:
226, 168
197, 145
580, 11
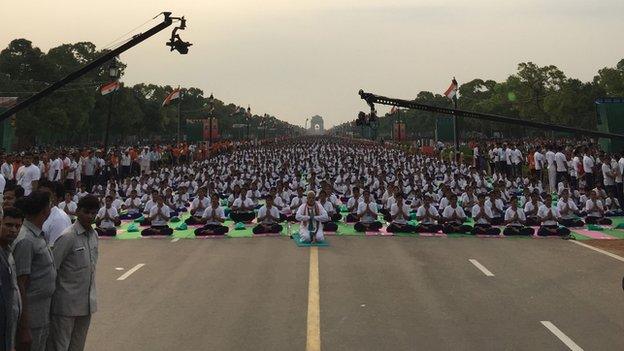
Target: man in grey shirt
10, 302
75, 257
36, 274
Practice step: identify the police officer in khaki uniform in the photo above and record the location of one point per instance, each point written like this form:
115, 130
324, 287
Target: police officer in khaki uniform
10, 301
75, 257
36, 275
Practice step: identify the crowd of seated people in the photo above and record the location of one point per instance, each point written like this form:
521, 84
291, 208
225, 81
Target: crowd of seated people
369, 186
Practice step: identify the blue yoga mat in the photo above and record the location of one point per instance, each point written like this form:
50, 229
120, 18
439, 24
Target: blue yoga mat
297, 239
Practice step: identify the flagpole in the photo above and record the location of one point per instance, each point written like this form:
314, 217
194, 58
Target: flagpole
179, 116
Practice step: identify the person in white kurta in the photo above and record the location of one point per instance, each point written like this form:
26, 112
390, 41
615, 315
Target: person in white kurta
311, 216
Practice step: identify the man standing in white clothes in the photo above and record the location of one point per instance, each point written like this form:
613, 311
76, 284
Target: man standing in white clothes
28, 175
552, 170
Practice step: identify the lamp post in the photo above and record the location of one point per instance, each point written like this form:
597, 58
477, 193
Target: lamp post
211, 103
113, 74
248, 119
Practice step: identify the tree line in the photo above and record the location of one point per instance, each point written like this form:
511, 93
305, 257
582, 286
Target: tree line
537, 93
76, 114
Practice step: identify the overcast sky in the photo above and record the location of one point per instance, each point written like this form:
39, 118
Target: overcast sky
298, 58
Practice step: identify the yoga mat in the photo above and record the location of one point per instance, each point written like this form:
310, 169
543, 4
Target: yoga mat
184, 234
593, 234
347, 229
617, 220
433, 235
297, 239
617, 233
406, 235
459, 235
244, 233
125, 235
384, 232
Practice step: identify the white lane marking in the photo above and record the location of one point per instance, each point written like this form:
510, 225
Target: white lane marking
559, 334
132, 270
119, 268
175, 240
612, 255
481, 267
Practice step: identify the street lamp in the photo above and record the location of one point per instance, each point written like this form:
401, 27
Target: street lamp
113, 74
211, 104
248, 119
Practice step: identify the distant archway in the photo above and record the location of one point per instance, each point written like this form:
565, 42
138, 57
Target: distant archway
317, 125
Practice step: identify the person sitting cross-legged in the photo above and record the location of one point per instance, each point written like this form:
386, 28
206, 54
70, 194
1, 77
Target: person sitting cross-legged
159, 216
482, 215
311, 216
268, 218
198, 206
548, 215
531, 208
399, 214
454, 218
367, 214
568, 211
516, 220
352, 206
428, 217
334, 217
213, 217
107, 219
613, 207
132, 205
243, 209
595, 211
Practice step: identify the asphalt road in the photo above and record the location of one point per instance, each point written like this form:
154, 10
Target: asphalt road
376, 293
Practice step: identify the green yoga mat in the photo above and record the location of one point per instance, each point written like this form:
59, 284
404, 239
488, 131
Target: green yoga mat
297, 239
347, 229
124, 235
245, 233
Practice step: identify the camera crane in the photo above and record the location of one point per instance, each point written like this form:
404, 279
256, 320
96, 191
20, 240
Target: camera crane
372, 99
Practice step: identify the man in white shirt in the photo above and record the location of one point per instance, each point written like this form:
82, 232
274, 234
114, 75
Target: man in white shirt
516, 220
588, 169
58, 220
311, 216
213, 217
367, 214
454, 218
483, 216
538, 158
530, 210
568, 211
198, 206
552, 170
7, 169
268, 218
549, 215
159, 215
562, 165
243, 209
516, 162
428, 217
28, 175
595, 211
107, 219
608, 175
89, 166
400, 214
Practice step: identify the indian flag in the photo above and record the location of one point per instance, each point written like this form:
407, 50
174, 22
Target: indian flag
175, 94
451, 92
109, 87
